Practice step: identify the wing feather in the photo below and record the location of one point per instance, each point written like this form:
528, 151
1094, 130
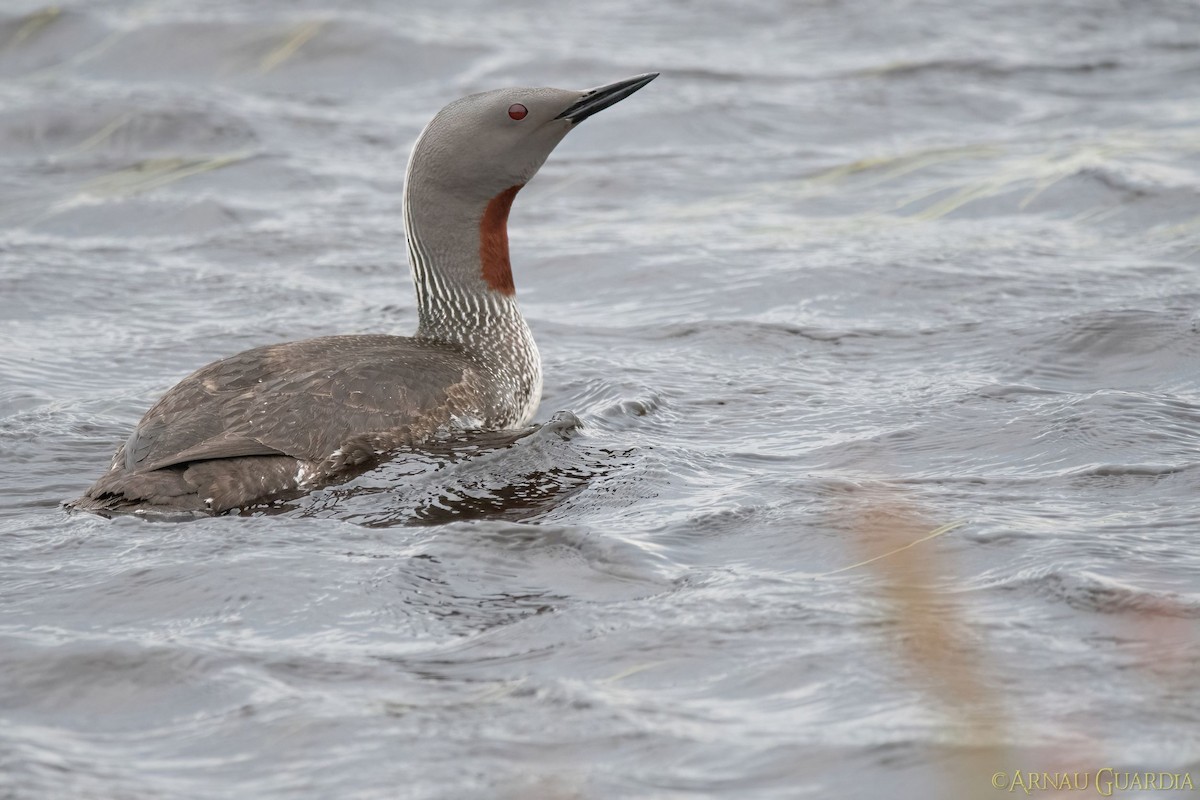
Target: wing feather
305, 400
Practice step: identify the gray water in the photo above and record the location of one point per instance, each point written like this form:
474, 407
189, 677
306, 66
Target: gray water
848, 274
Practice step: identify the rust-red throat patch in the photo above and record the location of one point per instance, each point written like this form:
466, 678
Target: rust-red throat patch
493, 242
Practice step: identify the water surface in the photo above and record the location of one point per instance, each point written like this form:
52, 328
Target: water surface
849, 273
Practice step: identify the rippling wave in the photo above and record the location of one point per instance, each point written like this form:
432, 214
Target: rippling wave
867, 458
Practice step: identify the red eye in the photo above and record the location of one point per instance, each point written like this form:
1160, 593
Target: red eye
517, 111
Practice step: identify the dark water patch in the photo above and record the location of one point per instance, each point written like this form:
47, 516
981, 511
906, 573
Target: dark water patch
992, 68
1124, 348
318, 56
1089, 591
108, 683
44, 39
508, 476
144, 218
578, 565
113, 129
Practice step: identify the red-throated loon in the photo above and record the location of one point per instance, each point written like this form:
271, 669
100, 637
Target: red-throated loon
284, 418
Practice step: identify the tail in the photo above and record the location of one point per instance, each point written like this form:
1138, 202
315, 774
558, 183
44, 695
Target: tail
212, 487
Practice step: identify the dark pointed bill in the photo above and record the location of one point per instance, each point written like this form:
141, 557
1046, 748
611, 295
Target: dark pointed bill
602, 97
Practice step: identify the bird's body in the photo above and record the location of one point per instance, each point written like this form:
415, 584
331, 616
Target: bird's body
280, 419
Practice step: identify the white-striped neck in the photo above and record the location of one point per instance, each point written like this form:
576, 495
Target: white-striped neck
458, 253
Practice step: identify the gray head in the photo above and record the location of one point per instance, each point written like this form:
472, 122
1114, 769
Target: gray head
484, 144
464, 172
